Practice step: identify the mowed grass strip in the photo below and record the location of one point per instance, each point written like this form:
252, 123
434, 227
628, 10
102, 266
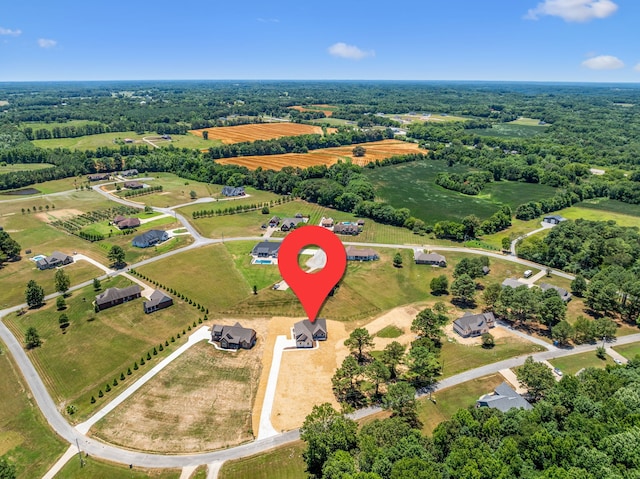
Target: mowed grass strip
10, 168
98, 469
574, 363
284, 462
629, 351
25, 437
257, 131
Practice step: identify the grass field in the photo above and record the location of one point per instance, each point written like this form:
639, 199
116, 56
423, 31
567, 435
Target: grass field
257, 131
96, 347
623, 214
23, 167
54, 186
331, 121
433, 117
25, 437
91, 142
390, 331
377, 150
574, 363
450, 400
326, 109
38, 125
629, 351
96, 469
526, 122
432, 203
281, 463
510, 130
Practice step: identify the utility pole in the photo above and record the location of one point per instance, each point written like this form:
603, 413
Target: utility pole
79, 454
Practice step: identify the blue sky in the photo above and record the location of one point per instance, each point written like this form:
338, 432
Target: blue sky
537, 40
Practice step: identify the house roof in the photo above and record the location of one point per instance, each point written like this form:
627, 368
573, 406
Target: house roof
561, 291
237, 334
57, 255
431, 257
504, 398
233, 191
305, 329
274, 219
128, 223
327, 221
555, 217
118, 218
513, 283
474, 321
364, 252
266, 247
133, 184
156, 298
113, 294
340, 228
291, 221
150, 236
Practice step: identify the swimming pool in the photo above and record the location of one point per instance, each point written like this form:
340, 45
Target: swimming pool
38, 257
262, 261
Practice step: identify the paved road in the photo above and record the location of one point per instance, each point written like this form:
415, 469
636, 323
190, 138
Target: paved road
545, 226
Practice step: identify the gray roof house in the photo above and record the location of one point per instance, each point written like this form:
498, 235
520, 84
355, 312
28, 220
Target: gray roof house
233, 337
290, 223
132, 172
361, 254
266, 249
274, 221
157, 300
513, 283
348, 229
554, 219
98, 177
471, 325
435, 259
504, 398
150, 238
133, 185
305, 332
233, 191
114, 296
56, 259
564, 294
128, 223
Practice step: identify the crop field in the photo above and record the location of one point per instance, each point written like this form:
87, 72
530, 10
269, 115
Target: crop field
434, 117
23, 167
257, 131
377, 150
54, 186
91, 142
39, 125
326, 109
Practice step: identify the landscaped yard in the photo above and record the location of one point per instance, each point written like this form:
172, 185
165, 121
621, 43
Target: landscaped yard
574, 363
97, 469
281, 463
629, 351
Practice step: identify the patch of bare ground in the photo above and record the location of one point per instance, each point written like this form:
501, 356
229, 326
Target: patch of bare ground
52, 215
201, 402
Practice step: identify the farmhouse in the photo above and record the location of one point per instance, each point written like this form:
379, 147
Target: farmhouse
132, 172
471, 325
98, 177
361, 254
346, 229
274, 221
56, 259
326, 222
233, 191
133, 185
124, 223
305, 332
290, 223
564, 294
114, 296
150, 238
513, 283
157, 300
233, 337
553, 219
503, 398
434, 259
265, 249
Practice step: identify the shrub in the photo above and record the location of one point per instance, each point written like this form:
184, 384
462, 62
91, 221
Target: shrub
100, 393
161, 347
115, 382
93, 400
128, 371
135, 366
107, 388
149, 356
155, 352
173, 340
142, 361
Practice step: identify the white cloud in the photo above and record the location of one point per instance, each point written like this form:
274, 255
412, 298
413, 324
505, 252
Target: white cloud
603, 62
8, 31
352, 52
573, 10
46, 43
637, 67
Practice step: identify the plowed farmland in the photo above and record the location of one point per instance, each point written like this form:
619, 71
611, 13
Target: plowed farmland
258, 131
377, 150
326, 109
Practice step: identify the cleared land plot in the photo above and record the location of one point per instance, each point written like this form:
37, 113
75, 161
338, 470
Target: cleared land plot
574, 363
54, 186
510, 130
326, 109
629, 351
23, 167
25, 437
450, 400
377, 150
96, 469
432, 203
526, 121
39, 125
217, 388
284, 462
96, 347
437, 117
91, 142
258, 131
590, 211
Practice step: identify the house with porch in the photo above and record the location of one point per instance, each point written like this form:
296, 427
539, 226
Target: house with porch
305, 332
504, 398
433, 259
158, 300
56, 259
150, 238
115, 296
472, 325
233, 337
361, 254
266, 249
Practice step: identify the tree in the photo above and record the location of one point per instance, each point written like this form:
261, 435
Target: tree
563, 332
7, 469
423, 366
536, 377
584, 330
205, 135
265, 210
32, 338
506, 243
397, 260
326, 431
193, 195
34, 294
96, 284
255, 289
116, 255
346, 382
488, 341
553, 309
428, 324
579, 285
605, 328
377, 372
439, 285
359, 342
471, 225
392, 356
491, 294
60, 303
401, 400
62, 281
63, 320
464, 288
359, 151
340, 464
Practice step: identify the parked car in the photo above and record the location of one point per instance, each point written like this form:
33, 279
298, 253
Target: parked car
528, 273
617, 361
557, 371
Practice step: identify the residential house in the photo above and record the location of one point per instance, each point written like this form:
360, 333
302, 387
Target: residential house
553, 219
132, 172
56, 259
150, 238
434, 259
233, 337
326, 222
360, 223
290, 223
157, 300
513, 283
98, 177
471, 325
361, 254
274, 221
504, 398
266, 249
128, 223
133, 185
305, 332
233, 191
346, 229
118, 219
564, 294
114, 296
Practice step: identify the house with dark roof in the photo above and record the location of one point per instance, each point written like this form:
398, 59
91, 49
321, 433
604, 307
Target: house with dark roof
553, 219
274, 221
150, 238
157, 300
513, 283
434, 259
133, 185
305, 332
361, 254
115, 296
56, 259
564, 294
128, 223
98, 177
233, 337
290, 223
233, 191
346, 229
504, 398
132, 172
266, 249
471, 325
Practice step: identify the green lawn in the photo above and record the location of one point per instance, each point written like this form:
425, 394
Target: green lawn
261, 275
96, 347
91, 142
390, 331
612, 206
526, 121
281, 463
450, 400
54, 186
510, 130
629, 351
574, 363
25, 437
97, 469
23, 167
599, 212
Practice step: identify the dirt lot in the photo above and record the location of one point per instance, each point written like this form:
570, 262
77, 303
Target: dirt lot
327, 113
202, 401
258, 131
402, 318
53, 215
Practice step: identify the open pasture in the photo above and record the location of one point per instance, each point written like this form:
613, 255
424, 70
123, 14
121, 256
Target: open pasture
377, 150
113, 139
257, 131
10, 168
326, 109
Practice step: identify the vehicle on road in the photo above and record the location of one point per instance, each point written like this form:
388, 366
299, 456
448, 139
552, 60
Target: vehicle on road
528, 273
617, 361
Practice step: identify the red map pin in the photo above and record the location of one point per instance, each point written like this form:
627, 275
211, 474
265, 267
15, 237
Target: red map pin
311, 288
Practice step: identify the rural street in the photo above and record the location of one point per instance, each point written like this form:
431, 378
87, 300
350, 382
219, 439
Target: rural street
545, 226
